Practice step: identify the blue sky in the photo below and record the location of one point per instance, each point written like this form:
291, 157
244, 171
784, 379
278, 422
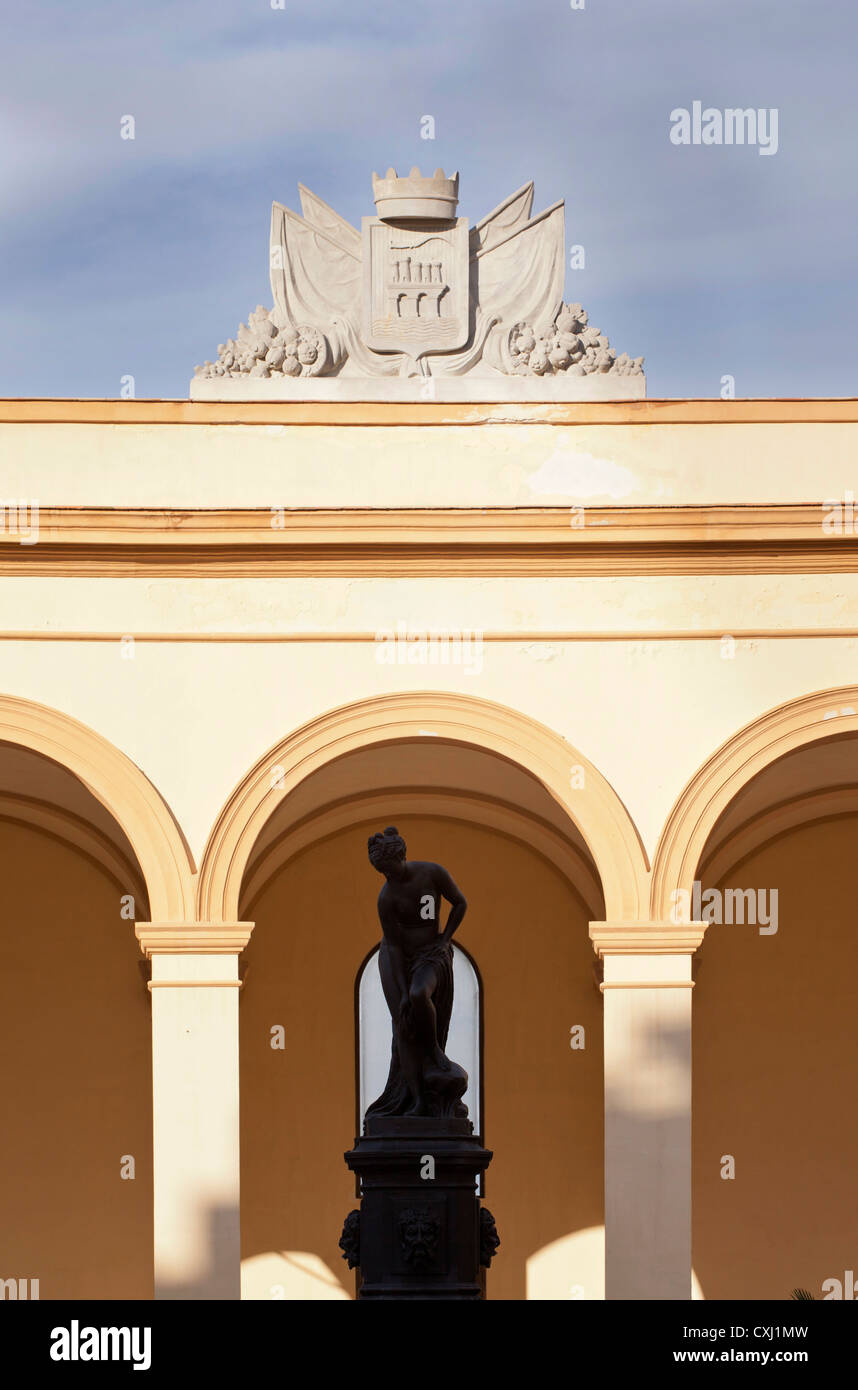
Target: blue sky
139, 257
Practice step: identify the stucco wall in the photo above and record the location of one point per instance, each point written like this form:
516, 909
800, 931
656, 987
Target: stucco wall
476, 457
774, 1076
77, 1077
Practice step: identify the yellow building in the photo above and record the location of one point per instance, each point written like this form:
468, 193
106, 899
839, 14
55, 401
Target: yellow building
599, 659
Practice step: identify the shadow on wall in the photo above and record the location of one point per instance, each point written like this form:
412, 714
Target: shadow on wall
647, 1123
527, 932
215, 1263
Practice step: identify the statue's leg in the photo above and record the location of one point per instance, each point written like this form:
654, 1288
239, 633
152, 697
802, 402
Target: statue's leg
388, 982
424, 982
411, 1062
422, 1041
405, 1067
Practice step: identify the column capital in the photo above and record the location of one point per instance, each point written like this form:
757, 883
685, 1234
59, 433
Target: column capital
192, 938
646, 938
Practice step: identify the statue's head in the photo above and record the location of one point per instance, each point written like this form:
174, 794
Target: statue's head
386, 850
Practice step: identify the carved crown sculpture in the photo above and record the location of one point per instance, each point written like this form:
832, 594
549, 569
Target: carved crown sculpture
419, 294
429, 200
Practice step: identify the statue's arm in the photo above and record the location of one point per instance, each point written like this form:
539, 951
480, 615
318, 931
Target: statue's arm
457, 900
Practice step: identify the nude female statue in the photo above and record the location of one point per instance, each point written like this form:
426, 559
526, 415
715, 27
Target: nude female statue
416, 967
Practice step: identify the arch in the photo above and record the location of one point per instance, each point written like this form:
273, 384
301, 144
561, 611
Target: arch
595, 809
768, 826
123, 790
808, 719
531, 830
76, 833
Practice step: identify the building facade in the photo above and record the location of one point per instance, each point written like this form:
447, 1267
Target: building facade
599, 659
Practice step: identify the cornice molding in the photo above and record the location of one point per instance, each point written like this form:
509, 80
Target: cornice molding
524, 635
186, 412
413, 542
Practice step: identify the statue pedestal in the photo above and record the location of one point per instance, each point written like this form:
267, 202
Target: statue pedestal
420, 1231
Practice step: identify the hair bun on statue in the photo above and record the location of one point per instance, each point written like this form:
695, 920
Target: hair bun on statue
386, 846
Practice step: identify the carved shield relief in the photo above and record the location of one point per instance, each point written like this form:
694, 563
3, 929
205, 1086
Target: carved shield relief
415, 285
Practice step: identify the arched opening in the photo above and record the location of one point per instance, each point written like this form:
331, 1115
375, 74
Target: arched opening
532, 887
775, 1060
373, 1031
76, 1146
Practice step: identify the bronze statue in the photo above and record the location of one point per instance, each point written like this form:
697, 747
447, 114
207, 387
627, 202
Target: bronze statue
416, 966
418, 1234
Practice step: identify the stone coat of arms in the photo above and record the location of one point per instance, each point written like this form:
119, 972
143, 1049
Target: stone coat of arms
419, 295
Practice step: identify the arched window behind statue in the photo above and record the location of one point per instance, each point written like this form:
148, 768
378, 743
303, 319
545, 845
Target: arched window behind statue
373, 1024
